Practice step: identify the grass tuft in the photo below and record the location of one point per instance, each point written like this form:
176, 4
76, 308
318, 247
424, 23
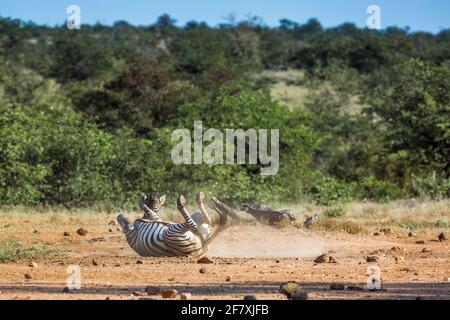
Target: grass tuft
11, 249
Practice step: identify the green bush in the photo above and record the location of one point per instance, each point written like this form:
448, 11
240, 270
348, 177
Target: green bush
334, 212
373, 189
329, 191
431, 186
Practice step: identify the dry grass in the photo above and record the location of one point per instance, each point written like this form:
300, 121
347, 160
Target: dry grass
350, 218
398, 215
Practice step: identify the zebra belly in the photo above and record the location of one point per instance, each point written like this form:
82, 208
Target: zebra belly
150, 240
184, 244
153, 239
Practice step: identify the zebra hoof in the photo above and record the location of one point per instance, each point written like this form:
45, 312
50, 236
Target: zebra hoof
181, 201
122, 220
200, 197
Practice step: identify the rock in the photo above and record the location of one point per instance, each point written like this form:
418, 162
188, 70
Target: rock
289, 287
399, 258
110, 230
94, 262
66, 234
112, 223
406, 269
386, 231
372, 259
293, 291
250, 297
27, 276
355, 288
420, 242
205, 260
98, 239
324, 258
203, 270
139, 262
152, 290
412, 234
396, 249
35, 231
169, 294
186, 296
332, 260
277, 261
337, 286
33, 264
442, 237
228, 279
139, 293
107, 298
376, 234
82, 232
426, 250
300, 295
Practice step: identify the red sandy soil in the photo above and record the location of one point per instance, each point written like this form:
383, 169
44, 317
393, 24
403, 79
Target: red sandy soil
256, 258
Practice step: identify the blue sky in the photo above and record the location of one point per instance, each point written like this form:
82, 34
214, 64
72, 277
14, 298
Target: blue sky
419, 15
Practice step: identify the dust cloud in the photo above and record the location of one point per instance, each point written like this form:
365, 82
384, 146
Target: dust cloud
258, 241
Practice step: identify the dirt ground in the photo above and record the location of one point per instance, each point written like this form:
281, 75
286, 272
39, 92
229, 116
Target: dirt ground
247, 260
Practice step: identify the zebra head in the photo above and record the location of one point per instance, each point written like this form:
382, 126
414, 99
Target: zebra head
154, 202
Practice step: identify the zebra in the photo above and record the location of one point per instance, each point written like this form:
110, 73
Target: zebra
152, 237
151, 205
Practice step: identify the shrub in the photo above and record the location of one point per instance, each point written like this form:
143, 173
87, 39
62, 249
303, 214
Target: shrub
334, 212
329, 191
373, 189
431, 186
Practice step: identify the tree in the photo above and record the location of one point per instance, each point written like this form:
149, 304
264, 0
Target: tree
77, 56
144, 96
416, 113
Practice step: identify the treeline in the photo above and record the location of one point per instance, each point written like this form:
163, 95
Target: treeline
86, 115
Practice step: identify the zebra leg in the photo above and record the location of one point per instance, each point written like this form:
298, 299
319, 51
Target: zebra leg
148, 213
199, 198
189, 222
125, 223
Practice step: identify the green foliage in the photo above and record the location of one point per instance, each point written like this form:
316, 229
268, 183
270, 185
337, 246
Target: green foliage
373, 189
86, 117
77, 56
10, 249
328, 191
245, 110
432, 186
334, 212
416, 114
144, 96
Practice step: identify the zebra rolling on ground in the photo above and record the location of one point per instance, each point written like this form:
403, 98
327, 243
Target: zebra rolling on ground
152, 237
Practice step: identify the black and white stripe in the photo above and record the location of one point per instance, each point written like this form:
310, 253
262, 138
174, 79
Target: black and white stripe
156, 238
